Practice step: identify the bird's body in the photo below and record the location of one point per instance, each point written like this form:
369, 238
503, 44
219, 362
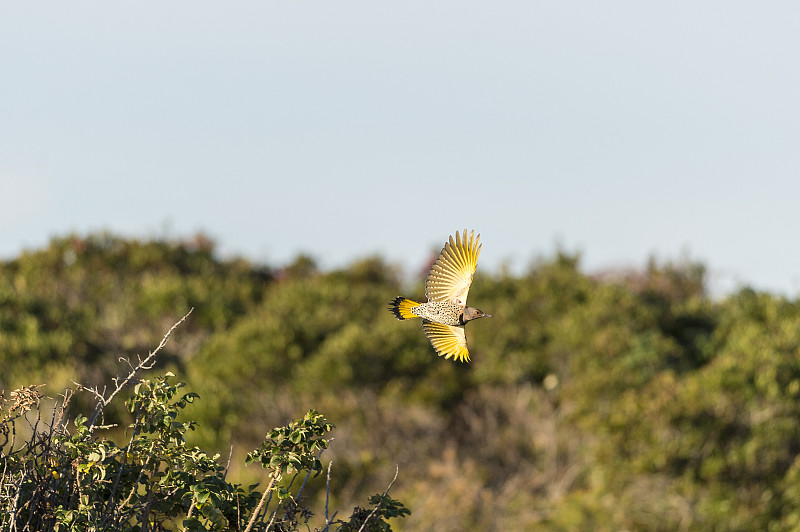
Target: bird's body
446, 287
439, 311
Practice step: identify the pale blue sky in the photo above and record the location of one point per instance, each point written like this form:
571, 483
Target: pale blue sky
342, 129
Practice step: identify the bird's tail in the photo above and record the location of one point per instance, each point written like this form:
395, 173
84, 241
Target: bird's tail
401, 308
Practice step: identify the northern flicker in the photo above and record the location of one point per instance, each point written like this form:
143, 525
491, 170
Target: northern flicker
446, 312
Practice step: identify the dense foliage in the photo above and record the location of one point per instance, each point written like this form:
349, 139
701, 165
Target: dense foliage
66, 476
624, 400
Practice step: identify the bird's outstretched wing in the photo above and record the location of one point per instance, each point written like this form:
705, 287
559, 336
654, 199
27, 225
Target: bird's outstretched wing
448, 341
451, 275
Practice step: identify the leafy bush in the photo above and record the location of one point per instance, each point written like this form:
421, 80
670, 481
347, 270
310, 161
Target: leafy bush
68, 476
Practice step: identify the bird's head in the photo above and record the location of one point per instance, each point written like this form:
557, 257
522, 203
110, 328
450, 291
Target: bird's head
473, 314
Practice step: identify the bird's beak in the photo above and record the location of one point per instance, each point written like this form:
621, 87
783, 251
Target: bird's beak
488, 316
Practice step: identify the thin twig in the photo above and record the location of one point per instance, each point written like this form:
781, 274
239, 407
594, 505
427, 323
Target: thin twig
328, 494
385, 493
308, 475
189, 513
153, 353
143, 364
260, 504
272, 519
228, 465
238, 512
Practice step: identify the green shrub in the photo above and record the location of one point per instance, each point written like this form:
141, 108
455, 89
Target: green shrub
72, 476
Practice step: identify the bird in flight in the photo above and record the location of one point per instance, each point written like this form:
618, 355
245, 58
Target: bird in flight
446, 312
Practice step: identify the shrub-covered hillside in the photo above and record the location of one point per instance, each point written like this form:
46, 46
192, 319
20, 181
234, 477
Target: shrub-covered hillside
595, 402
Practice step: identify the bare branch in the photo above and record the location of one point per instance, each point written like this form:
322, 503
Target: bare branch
328, 495
144, 364
228, 465
385, 493
260, 505
189, 513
